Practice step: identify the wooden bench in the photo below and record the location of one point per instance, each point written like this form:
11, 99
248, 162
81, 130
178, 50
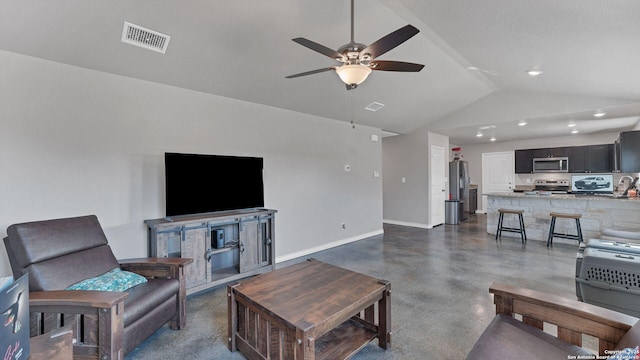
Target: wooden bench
508, 338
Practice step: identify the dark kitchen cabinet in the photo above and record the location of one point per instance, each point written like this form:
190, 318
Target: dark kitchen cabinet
578, 159
583, 159
629, 151
551, 152
524, 161
473, 201
600, 158
591, 159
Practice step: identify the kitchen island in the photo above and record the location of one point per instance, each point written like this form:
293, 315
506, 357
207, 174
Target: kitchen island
598, 212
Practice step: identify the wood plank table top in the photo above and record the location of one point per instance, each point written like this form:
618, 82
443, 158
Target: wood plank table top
311, 294
311, 310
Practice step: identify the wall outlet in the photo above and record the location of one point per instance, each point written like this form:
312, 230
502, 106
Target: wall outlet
376, 174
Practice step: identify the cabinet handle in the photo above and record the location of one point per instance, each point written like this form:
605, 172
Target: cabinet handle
241, 247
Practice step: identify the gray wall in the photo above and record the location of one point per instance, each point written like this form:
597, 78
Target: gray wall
75, 141
407, 156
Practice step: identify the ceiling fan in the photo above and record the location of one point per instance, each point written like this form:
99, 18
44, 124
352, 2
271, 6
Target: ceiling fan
358, 60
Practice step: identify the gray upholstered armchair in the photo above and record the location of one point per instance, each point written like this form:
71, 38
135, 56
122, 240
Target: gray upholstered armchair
106, 325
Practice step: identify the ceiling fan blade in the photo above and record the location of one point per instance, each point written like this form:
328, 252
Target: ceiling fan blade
319, 48
310, 72
395, 66
390, 41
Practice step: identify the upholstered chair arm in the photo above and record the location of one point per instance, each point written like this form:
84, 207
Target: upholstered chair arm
172, 268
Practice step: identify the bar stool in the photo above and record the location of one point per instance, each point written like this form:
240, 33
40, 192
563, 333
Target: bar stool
501, 227
553, 234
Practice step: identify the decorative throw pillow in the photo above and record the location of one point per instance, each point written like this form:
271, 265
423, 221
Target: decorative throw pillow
625, 354
113, 280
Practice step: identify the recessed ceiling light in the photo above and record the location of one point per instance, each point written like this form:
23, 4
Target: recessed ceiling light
575, 131
571, 124
522, 123
600, 114
479, 134
534, 72
487, 127
493, 138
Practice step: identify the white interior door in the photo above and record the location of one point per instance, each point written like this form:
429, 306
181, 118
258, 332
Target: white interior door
437, 171
497, 173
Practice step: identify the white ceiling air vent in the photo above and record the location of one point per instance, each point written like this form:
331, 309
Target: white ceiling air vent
374, 106
147, 39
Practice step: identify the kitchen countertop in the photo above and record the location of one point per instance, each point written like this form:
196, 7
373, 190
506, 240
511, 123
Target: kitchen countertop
597, 212
563, 196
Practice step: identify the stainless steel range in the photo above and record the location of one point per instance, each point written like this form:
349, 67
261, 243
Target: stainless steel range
554, 186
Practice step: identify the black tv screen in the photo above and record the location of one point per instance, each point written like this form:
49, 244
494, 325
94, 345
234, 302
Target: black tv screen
198, 183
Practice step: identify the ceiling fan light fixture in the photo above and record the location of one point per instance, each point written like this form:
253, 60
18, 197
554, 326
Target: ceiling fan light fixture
353, 74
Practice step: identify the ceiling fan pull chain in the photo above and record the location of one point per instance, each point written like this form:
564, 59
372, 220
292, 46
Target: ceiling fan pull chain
353, 106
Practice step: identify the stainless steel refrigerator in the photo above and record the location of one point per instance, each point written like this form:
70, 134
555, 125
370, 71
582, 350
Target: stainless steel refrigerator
459, 185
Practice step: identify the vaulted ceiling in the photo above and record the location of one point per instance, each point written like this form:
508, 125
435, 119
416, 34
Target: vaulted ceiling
477, 54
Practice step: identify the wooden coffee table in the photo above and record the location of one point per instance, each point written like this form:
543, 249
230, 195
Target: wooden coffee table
310, 310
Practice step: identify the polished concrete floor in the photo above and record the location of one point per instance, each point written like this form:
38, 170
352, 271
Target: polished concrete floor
440, 300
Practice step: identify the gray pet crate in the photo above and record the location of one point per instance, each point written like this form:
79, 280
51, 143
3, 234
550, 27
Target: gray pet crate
608, 275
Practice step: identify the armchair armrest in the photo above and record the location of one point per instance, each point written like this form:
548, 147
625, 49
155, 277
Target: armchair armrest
172, 268
75, 298
95, 317
156, 267
573, 318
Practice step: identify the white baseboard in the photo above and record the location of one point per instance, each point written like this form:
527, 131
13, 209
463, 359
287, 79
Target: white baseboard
404, 223
330, 245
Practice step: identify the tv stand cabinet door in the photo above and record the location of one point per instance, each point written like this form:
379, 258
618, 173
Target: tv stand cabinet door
193, 245
250, 246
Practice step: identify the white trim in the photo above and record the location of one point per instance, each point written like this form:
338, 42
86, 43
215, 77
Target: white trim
480, 212
404, 223
312, 250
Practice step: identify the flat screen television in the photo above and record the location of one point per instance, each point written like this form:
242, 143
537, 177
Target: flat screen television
592, 183
198, 183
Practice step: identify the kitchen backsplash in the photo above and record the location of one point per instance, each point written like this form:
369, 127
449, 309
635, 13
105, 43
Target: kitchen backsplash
529, 179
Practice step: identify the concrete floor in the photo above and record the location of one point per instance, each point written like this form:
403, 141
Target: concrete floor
440, 300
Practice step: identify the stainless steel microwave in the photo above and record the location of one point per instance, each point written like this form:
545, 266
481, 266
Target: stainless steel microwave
551, 164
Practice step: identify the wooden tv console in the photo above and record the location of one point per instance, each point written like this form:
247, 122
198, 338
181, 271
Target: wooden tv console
248, 238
